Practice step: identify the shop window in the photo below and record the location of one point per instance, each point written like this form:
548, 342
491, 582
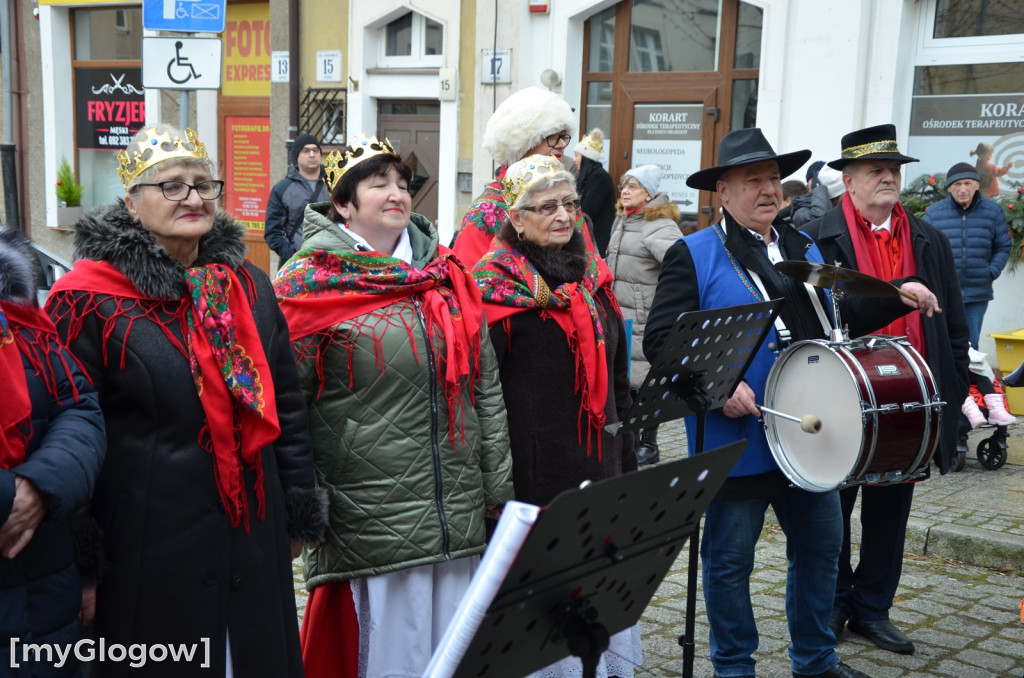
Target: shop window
673, 35
977, 18
602, 41
109, 106
412, 40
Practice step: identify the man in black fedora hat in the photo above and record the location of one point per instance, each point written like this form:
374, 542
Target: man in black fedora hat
871, 232
731, 264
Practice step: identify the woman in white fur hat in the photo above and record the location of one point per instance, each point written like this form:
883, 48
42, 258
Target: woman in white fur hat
532, 121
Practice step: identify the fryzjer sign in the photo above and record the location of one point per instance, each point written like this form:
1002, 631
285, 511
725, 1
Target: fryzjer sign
109, 106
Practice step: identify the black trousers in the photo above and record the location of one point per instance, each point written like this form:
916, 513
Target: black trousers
867, 591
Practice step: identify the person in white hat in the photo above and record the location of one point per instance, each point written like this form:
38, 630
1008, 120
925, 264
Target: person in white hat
532, 121
595, 187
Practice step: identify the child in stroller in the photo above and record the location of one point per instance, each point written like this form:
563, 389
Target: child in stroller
988, 394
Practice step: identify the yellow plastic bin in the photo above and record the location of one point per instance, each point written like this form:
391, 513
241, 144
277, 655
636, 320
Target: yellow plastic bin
1009, 355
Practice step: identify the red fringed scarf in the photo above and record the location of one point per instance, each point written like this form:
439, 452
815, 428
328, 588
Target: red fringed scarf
225, 353
37, 347
871, 261
321, 288
510, 284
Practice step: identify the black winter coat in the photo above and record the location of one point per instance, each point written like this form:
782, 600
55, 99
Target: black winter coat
178, 572
40, 594
598, 196
946, 333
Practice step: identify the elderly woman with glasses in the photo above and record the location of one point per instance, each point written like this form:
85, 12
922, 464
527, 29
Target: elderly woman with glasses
207, 491
533, 121
646, 226
562, 353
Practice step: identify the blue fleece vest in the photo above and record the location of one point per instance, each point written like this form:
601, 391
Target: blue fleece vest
719, 287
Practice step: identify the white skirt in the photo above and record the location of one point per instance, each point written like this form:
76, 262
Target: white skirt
403, 615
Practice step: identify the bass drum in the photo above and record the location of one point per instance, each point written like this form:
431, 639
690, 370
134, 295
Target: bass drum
876, 400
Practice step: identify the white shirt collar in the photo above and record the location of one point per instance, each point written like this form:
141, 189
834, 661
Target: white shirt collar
884, 226
403, 250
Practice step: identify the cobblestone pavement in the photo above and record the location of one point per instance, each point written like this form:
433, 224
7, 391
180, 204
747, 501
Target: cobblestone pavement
959, 598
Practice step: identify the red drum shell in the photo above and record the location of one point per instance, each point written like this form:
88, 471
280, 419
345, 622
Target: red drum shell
876, 399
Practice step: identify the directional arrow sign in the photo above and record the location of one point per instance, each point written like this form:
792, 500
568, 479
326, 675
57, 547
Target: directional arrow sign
181, 63
187, 16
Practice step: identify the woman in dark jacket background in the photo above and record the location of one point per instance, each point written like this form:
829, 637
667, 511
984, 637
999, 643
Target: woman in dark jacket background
51, 447
207, 491
558, 335
595, 187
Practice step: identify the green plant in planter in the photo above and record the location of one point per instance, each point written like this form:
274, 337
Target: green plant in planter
1013, 208
923, 192
69, 191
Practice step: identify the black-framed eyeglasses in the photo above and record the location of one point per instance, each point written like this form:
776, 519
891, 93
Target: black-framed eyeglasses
179, 190
550, 208
553, 139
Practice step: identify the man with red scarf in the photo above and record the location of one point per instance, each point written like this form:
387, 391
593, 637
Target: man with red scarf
871, 232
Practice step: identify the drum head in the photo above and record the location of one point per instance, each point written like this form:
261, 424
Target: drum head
811, 378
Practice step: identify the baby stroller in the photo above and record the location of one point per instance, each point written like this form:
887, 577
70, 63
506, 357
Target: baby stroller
986, 406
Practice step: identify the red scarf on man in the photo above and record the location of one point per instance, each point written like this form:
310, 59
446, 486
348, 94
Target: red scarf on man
224, 350
319, 289
887, 257
37, 347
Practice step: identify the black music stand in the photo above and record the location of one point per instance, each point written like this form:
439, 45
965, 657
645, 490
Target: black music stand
703, 358
590, 564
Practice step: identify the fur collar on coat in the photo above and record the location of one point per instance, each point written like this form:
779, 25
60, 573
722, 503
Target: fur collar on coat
17, 280
111, 234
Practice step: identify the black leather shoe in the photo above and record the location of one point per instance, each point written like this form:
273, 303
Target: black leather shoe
836, 623
884, 634
840, 670
646, 453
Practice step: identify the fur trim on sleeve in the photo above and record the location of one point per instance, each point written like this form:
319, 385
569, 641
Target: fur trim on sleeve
307, 513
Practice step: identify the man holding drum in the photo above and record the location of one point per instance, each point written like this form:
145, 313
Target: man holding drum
872, 233
727, 265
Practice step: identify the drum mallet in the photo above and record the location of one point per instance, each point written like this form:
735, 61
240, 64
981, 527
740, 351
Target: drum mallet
808, 423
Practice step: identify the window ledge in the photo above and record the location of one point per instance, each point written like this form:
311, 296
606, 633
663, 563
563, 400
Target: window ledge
403, 71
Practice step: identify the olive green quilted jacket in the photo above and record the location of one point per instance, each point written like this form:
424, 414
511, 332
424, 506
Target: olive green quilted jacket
401, 495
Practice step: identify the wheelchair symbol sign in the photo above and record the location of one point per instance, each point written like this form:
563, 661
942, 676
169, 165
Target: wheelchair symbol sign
181, 63
189, 16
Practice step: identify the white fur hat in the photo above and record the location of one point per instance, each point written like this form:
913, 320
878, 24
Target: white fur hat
591, 144
523, 120
832, 180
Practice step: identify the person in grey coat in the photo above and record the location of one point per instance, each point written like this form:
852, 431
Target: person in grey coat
646, 226
977, 232
286, 207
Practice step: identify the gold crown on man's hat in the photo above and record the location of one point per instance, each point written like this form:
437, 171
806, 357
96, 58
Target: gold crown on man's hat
362, 148
155, 148
523, 175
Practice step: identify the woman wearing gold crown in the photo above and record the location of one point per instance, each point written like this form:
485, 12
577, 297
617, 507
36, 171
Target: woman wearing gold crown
208, 487
407, 419
559, 339
596, 188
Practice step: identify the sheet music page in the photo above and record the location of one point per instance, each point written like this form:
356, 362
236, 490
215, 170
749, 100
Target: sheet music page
515, 523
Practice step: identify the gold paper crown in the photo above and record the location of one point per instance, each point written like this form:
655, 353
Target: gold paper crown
363, 148
156, 148
523, 175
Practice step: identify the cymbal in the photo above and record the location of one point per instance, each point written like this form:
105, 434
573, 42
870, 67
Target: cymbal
838, 278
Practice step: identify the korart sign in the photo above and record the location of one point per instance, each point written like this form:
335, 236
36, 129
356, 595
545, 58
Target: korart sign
109, 107
247, 168
669, 136
984, 130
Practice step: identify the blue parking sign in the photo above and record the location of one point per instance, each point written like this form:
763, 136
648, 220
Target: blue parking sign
187, 16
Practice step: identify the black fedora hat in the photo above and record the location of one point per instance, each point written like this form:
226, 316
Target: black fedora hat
870, 143
745, 147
